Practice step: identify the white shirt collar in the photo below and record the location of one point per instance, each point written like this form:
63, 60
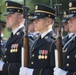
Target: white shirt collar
46, 32
70, 34
34, 33
14, 31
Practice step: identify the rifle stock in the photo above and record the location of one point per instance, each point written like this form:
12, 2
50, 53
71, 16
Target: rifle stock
25, 50
59, 47
59, 39
0, 32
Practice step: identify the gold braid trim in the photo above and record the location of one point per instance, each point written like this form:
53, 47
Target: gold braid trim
74, 73
9, 69
40, 72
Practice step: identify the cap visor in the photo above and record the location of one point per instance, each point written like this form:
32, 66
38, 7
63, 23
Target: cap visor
7, 13
39, 16
70, 16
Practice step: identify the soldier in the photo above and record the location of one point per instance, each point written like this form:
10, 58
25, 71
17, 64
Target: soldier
32, 34
2, 39
42, 53
69, 54
31, 27
12, 58
66, 28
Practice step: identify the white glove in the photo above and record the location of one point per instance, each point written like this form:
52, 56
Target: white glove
26, 71
1, 65
58, 71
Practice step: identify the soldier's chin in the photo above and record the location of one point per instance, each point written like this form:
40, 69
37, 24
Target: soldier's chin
36, 29
9, 29
8, 26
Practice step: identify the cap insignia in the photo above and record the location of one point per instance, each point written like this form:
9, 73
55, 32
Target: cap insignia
70, 4
48, 15
64, 14
18, 10
36, 7
6, 4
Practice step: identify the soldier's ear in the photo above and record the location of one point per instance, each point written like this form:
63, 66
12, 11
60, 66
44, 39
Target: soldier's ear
20, 17
49, 21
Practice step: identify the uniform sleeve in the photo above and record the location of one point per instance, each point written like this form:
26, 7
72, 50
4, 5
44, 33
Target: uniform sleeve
11, 69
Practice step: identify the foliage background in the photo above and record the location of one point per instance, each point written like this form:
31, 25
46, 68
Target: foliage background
30, 3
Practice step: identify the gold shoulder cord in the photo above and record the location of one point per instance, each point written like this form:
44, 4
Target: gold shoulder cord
52, 44
9, 69
74, 73
40, 72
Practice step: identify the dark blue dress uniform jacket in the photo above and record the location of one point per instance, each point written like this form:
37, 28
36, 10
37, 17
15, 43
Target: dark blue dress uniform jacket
69, 58
12, 57
42, 56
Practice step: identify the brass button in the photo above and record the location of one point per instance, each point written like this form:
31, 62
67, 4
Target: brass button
5, 49
32, 62
7, 62
67, 71
68, 57
32, 55
4, 56
75, 56
67, 64
32, 48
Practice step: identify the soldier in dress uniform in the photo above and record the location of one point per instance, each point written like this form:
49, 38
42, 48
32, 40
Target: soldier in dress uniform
42, 59
69, 54
2, 39
66, 28
32, 34
12, 58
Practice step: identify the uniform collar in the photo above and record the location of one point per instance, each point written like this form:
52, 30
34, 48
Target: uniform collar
46, 32
14, 31
34, 33
70, 35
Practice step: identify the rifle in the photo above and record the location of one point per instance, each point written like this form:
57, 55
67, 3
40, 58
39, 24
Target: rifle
0, 32
59, 38
25, 49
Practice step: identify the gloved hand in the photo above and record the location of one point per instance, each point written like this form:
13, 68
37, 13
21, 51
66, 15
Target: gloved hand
58, 71
1, 65
26, 71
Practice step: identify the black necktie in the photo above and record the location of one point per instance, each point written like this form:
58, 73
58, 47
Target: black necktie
11, 34
39, 39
